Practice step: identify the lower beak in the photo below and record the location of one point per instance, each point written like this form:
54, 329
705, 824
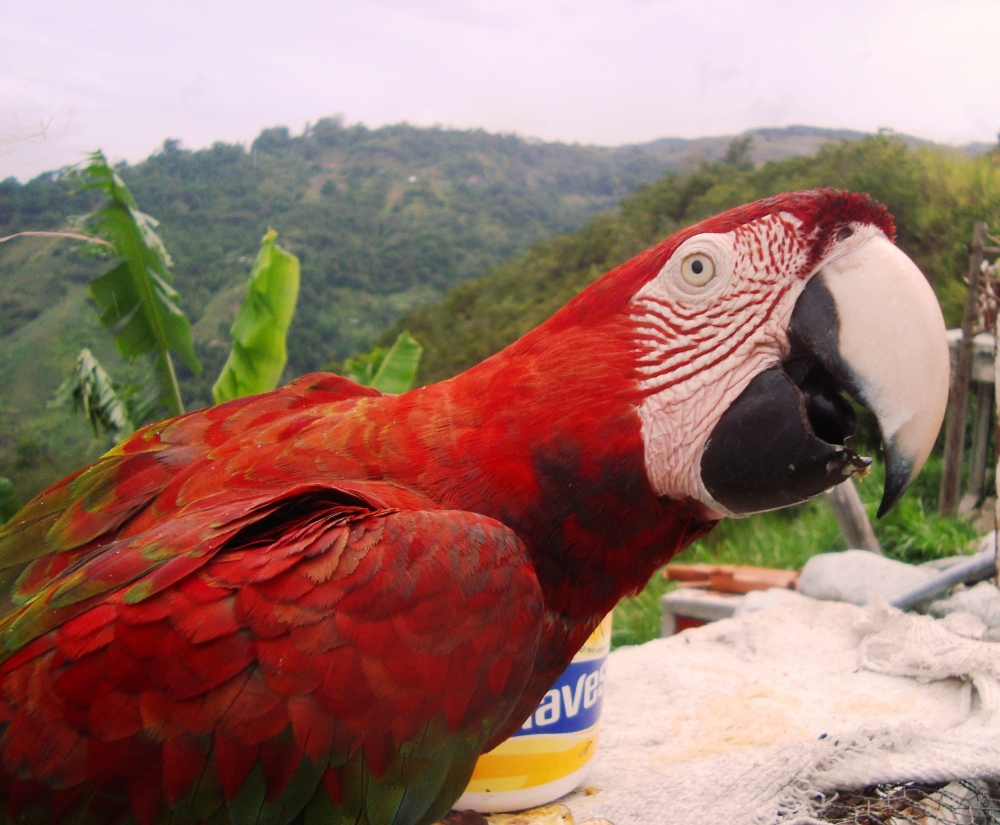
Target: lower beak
869, 324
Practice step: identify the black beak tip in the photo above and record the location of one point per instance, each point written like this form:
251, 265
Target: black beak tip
889, 500
898, 474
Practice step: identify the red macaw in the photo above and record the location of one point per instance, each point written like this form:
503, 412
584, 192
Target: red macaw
321, 604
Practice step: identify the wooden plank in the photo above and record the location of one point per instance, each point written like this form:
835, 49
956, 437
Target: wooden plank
730, 578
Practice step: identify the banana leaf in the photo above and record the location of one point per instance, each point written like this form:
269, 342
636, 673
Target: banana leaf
91, 389
136, 299
398, 369
258, 354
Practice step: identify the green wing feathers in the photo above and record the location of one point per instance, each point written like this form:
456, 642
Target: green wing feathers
351, 670
85, 511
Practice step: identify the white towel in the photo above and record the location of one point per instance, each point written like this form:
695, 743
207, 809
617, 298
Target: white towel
752, 719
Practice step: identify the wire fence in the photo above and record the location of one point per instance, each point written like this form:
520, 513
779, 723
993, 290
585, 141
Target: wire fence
970, 802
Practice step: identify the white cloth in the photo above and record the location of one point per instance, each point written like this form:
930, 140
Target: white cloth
750, 719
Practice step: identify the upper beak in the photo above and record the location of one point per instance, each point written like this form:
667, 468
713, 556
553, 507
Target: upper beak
867, 323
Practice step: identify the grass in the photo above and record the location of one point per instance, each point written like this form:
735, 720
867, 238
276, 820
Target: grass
913, 532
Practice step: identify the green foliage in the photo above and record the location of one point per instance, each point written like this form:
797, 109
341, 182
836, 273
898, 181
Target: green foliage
372, 245
258, 353
738, 154
90, 389
398, 369
390, 371
783, 539
361, 368
637, 619
9, 501
912, 532
915, 533
136, 299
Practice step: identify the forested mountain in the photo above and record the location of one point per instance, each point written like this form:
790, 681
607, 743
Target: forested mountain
384, 221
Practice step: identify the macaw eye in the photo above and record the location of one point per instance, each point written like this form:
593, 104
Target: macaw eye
697, 269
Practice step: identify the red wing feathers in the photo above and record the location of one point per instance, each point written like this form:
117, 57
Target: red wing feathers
96, 501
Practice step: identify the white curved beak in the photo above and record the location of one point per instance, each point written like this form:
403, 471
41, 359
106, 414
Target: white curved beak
893, 352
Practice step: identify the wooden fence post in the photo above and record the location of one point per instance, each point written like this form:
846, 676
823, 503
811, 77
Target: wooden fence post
980, 445
852, 517
996, 390
958, 397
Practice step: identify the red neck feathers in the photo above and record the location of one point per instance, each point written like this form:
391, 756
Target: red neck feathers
545, 437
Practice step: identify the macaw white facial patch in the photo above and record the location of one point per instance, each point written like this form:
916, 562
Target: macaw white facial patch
705, 342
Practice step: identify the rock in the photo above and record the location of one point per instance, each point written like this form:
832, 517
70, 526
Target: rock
981, 600
988, 542
981, 545
762, 599
849, 576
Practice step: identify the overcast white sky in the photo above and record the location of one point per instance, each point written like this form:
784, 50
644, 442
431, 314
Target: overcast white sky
122, 75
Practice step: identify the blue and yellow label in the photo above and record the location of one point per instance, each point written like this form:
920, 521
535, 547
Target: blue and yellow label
573, 704
560, 736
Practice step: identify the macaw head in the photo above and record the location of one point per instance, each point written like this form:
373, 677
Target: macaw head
751, 326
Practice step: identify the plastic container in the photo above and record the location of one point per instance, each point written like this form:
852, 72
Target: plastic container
552, 753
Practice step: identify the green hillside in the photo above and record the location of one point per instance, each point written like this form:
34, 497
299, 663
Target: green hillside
936, 195
382, 220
